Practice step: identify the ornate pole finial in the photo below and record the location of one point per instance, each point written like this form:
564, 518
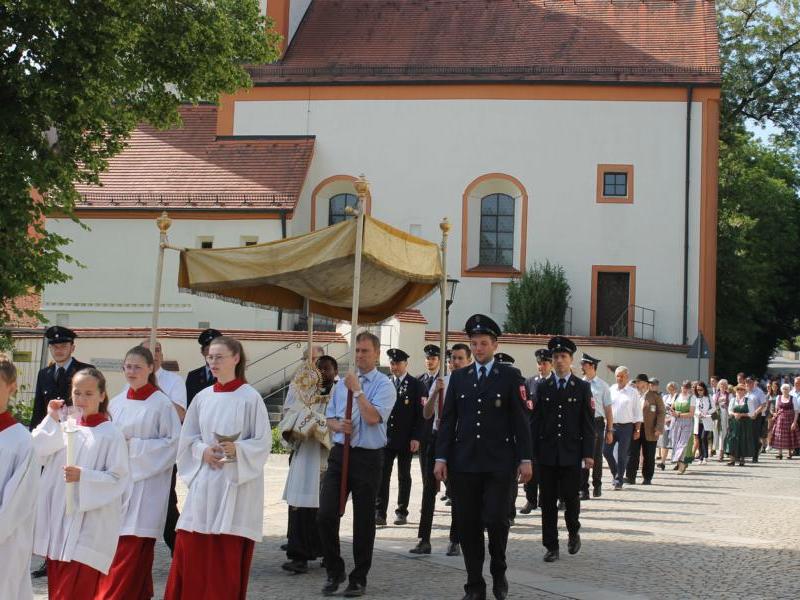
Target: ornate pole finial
362, 187
164, 222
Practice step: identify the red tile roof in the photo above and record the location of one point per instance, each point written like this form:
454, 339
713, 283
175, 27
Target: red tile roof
538, 341
412, 315
362, 41
190, 168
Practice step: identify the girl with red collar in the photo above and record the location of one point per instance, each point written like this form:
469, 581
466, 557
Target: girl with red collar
79, 545
224, 445
149, 423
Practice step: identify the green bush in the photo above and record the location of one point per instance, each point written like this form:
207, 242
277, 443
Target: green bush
277, 442
21, 411
537, 301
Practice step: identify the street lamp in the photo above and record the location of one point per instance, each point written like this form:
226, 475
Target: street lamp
450, 294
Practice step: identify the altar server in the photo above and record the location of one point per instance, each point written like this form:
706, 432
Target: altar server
224, 446
19, 479
150, 424
79, 539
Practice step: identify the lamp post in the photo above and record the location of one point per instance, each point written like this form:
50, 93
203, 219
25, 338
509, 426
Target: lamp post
450, 294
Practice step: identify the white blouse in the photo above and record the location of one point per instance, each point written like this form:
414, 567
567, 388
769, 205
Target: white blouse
229, 500
19, 483
89, 535
151, 428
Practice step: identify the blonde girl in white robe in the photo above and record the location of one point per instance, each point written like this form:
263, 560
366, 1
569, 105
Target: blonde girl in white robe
151, 427
223, 514
80, 545
19, 481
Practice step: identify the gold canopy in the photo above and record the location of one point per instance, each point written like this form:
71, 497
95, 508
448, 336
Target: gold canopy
398, 270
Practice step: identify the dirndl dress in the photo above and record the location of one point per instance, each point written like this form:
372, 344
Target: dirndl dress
783, 438
739, 441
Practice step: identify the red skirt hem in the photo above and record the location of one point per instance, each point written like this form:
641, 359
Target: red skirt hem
71, 580
131, 574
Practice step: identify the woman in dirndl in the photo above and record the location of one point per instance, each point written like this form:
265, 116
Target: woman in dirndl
785, 432
682, 413
664, 442
739, 441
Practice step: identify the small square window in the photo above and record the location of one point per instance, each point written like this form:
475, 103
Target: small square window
615, 184
248, 240
205, 242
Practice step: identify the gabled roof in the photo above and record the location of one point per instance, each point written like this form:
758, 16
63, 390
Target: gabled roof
603, 41
190, 168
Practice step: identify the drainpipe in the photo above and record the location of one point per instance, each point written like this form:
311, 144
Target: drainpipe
283, 237
689, 93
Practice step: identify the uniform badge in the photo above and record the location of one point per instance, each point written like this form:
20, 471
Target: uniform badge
498, 402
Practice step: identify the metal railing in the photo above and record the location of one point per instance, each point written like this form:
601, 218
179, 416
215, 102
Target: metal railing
635, 322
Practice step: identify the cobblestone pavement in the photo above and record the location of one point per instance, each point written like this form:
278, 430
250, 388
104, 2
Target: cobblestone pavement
715, 532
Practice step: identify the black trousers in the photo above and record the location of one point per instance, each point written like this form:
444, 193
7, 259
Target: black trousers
565, 480
758, 427
427, 461
532, 487
647, 451
172, 514
404, 479
362, 483
482, 500
303, 534
597, 455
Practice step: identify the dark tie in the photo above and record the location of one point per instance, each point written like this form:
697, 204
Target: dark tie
397, 383
481, 373
561, 383
60, 379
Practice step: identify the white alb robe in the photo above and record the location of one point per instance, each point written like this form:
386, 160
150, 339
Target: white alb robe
229, 500
152, 429
89, 535
308, 461
19, 482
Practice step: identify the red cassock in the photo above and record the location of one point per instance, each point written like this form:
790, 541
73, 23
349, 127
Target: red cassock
131, 574
209, 567
71, 580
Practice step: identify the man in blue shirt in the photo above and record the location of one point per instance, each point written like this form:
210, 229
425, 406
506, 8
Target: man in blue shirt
373, 399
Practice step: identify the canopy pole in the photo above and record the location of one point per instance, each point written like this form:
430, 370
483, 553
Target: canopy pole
445, 227
310, 325
163, 222
362, 189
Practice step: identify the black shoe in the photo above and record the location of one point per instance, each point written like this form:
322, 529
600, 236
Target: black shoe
284, 547
500, 587
354, 590
561, 505
617, 486
584, 495
332, 584
755, 459
448, 502
295, 566
526, 510
453, 549
474, 596
597, 492
676, 467
630, 480
551, 555
574, 544
661, 466
40, 572
400, 520
646, 482
380, 521
422, 547
443, 498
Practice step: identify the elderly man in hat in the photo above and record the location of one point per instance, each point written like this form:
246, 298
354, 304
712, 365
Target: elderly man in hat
55, 380
482, 445
403, 431
603, 424
563, 442
653, 415
201, 378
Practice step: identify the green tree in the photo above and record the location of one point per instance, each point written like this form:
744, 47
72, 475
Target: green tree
759, 212
537, 301
76, 78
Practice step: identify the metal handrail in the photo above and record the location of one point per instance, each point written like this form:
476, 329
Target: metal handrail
286, 384
281, 349
628, 321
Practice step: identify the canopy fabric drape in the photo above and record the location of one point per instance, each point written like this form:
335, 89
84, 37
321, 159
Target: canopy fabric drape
398, 270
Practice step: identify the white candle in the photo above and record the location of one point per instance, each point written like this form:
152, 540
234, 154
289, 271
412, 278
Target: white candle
70, 428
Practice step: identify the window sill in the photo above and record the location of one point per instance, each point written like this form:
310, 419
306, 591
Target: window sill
615, 200
491, 271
